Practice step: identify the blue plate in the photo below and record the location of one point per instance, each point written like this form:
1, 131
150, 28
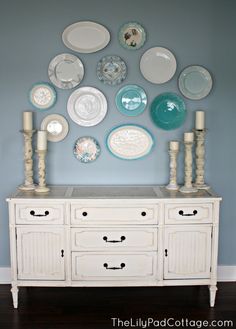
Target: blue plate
168, 111
131, 100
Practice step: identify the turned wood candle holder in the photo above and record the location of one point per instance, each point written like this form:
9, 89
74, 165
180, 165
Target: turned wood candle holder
28, 161
173, 170
42, 187
188, 170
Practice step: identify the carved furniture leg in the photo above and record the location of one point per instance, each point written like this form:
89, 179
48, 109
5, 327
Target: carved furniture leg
14, 291
212, 290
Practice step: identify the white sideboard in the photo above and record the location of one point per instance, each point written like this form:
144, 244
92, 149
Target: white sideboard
113, 236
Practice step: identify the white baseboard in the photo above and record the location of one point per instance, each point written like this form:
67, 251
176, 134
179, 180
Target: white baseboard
225, 274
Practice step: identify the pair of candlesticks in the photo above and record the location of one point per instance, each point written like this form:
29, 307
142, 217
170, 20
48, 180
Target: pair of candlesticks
41, 151
200, 133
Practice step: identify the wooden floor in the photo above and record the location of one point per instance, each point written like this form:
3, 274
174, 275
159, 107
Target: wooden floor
75, 308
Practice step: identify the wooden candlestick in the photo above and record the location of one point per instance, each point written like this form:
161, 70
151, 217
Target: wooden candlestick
42, 187
200, 159
173, 153
188, 187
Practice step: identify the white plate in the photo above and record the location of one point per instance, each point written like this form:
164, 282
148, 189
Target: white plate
130, 142
158, 65
86, 37
56, 126
87, 106
66, 71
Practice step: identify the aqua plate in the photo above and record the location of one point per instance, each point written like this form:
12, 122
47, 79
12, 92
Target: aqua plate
195, 82
131, 100
86, 149
132, 36
168, 111
42, 96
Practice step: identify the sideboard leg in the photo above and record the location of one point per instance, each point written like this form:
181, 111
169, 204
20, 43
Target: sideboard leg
14, 291
212, 290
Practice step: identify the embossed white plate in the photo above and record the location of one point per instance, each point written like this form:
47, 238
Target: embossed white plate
56, 126
86, 37
158, 65
130, 142
66, 71
87, 106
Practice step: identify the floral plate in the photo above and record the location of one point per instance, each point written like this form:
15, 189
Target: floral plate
111, 70
87, 149
42, 96
132, 36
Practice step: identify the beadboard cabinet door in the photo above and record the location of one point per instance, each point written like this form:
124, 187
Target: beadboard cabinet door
187, 252
40, 253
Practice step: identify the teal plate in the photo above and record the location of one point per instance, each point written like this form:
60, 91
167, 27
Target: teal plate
131, 100
168, 111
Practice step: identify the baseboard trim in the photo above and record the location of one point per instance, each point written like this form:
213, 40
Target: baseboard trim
225, 274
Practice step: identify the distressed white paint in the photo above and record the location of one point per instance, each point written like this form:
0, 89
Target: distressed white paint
148, 217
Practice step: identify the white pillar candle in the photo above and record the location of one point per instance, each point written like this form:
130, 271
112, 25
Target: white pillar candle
200, 120
42, 140
27, 120
174, 145
188, 137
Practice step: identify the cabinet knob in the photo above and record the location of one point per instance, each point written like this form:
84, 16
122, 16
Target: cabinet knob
84, 213
143, 213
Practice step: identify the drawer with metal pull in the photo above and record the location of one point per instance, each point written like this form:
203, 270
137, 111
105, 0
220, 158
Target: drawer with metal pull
114, 266
89, 239
45, 213
188, 213
114, 214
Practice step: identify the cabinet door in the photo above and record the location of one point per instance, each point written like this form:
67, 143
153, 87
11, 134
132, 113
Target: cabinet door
40, 253
187, 252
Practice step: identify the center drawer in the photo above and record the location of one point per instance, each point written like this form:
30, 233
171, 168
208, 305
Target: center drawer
88, 239
114, 266
113, 214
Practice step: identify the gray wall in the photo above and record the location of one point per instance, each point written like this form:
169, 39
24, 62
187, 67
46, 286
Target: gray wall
198, 32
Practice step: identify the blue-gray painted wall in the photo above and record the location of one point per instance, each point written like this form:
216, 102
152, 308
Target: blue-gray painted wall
197, 31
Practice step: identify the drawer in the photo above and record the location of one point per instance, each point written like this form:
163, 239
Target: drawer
90, 239
188, 213
39, 213
114, 266
113, 214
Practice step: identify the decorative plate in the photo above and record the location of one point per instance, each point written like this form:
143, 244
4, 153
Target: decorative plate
158, 65
168, 111
111, 70
66, 71
87, 106
195, 82
87, 149
130, 142
131, 100
56, 126
42, 96
132, 36
86, 37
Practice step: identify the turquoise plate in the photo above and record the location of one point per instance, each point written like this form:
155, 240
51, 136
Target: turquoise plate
168, 111
131, 100
132, 36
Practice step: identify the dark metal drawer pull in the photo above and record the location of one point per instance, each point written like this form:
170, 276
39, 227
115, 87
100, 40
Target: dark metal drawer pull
122, 238
183, 214
122, 265
84, 213
166, 252
62, 253
143, 213
46, 213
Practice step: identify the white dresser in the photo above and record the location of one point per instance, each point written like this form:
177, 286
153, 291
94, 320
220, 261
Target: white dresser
113, 236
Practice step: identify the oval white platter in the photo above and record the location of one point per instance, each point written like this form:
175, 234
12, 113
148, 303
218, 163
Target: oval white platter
56, 126
66, 71
87, 106
130, 142
158, 65
86, 37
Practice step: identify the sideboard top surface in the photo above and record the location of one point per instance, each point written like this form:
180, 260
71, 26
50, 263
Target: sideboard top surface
112, 192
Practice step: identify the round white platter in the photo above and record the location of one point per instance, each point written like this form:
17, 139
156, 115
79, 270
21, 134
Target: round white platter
56, 126
87, 106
